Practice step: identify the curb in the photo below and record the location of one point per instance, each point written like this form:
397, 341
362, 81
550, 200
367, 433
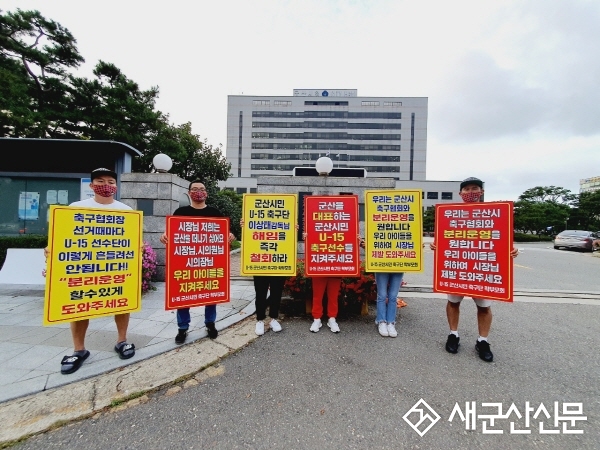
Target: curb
39, 412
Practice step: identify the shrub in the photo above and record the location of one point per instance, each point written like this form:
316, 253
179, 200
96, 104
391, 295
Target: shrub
357, 290
353, 290
525, 237
298, 287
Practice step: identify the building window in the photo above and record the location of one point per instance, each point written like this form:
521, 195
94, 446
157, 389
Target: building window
240, 190
392, 103
253, 190
367, 103
282, 102
325, 135
328, 114
312, 103
432, 195
261, 102
446, 195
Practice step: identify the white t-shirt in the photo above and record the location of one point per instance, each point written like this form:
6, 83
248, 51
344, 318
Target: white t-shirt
92, 203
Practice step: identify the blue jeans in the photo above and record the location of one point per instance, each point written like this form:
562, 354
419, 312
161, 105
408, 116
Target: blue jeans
183, 316
388, 285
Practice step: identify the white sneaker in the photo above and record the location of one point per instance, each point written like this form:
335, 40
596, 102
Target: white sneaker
391, 329
260, 328
275, 326
333, 326
383, 329
316, 325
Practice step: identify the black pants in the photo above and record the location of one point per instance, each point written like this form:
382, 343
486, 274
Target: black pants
261, 287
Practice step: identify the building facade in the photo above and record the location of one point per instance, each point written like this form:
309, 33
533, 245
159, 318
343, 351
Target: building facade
271, 135
44, 172
589, 184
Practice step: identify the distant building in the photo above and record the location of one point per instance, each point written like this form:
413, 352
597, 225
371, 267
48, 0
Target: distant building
387, 136
272, 135
589, 184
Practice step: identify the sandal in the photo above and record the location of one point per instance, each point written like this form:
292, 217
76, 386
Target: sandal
125, 350
70, 364
401, 303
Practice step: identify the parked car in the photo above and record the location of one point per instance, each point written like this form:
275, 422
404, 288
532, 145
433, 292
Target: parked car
578, 239
596, 243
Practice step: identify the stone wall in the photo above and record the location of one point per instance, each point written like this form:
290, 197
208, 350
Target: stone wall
157, 195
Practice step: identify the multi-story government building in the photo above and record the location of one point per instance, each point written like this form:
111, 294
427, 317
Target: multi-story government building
387, 136
271, 135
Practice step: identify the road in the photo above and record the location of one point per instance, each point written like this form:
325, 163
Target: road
539, 266
299, 390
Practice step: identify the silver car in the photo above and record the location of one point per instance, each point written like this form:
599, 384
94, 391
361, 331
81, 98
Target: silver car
575, 239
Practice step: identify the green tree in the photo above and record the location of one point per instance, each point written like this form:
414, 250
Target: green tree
586, 213
542, 207
36, 55
552, 194
193, 158
229, 203
429, 219
41, 96
536, 217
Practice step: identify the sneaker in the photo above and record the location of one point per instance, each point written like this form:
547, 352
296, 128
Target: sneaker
211, 330
483, 348
452, 343
275, 326
316, 325
391, 329
181, 336
383, 330
333, 326
260, 328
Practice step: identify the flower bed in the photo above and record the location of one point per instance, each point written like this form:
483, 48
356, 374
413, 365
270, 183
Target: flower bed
354, 291
148, 268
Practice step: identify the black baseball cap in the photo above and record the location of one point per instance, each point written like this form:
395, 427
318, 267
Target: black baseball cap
471, 180
102, 171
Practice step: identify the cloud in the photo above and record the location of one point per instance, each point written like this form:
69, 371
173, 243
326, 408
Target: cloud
482, 101
509, 166
533, 68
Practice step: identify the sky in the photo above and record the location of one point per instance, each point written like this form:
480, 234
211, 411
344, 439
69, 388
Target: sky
512, 85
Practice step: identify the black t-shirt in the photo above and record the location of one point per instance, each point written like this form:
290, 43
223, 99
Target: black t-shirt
207, 211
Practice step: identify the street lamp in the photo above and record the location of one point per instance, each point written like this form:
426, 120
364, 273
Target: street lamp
324, 165
162, 163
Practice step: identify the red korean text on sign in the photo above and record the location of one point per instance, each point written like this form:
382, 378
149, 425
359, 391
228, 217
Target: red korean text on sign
331, 244
197, 269
473, 245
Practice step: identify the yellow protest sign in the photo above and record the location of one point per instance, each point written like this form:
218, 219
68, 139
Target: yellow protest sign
269, 236
95, 265
394, 231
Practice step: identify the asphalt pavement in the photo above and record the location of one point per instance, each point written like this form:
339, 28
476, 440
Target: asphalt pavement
359, 383
300, 390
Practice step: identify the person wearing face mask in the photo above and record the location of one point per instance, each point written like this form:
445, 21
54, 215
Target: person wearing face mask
471, 191
198, 208
104, 185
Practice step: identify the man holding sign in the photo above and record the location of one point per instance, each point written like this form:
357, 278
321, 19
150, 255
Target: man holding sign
198, 208
464, 255
104, 185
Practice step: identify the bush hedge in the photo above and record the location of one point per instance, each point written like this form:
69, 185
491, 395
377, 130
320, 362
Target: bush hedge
24, 241
525, 237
